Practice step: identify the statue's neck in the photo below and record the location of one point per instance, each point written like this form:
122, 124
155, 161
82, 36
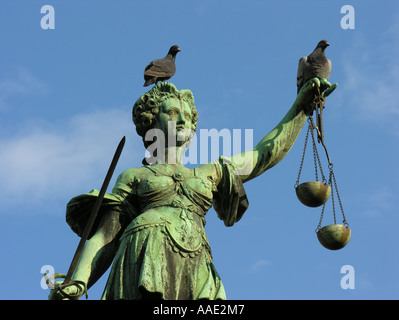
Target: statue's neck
173, 155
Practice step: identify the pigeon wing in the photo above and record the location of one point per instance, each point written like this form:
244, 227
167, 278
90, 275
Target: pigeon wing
302, 67
160, 68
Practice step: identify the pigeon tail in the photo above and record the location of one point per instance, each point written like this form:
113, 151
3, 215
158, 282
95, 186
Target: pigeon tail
149, 81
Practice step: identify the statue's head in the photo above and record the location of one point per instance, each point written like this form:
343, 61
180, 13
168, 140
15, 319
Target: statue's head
146, 110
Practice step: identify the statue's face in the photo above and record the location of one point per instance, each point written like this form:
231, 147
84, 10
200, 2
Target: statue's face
175, 120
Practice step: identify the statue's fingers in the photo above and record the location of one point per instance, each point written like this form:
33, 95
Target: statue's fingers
330, 89
310, 85
315, 82
324, 82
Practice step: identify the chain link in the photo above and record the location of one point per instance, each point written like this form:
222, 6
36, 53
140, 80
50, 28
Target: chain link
332, 196
303, 156
339, 199
317, 158
321, 218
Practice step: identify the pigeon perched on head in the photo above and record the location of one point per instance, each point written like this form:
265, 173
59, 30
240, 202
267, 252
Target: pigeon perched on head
315, 65
161, 69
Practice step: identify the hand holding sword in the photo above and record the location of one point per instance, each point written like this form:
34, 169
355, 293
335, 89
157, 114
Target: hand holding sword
73, 289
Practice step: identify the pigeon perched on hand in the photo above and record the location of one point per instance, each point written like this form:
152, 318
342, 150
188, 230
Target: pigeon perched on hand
161, 69
315, 65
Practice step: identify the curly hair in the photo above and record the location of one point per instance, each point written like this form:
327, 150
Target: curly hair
147, 106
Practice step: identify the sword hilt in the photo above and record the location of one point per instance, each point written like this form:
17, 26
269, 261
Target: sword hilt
60, 287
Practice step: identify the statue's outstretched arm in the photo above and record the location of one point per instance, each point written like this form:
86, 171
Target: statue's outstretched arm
278, 142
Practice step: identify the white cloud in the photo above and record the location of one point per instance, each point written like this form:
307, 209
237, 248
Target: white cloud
23, 82
42, 164
371, 74
259, 266
364, 283
379, 202
373, 95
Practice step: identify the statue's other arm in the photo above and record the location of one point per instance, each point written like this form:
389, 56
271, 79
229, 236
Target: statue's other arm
97, 256
100, 249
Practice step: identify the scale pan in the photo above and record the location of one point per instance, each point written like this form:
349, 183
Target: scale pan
334, 236
313, 193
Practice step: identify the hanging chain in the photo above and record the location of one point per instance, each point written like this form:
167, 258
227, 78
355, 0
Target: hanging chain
303, 155
319, 101
324, 205
321, 218
333, 183
339, 198
316, 155
332, 197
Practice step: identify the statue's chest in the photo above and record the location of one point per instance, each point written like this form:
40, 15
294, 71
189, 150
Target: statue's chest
169, 183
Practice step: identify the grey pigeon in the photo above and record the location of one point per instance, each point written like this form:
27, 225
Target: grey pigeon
315, 65
161, 69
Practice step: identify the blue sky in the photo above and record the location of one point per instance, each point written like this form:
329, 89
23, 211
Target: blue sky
65, 102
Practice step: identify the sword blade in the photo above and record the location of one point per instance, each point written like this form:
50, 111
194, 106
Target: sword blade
94, 212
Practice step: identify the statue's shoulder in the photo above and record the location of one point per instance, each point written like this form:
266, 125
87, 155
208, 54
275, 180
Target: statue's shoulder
132, 175
211, 170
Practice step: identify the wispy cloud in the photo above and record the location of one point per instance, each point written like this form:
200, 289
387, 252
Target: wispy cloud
23, 82
64, 158
372, 77
379, 202
364, 283
259, 266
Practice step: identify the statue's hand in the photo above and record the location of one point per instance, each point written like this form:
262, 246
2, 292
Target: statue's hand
327, 87
310, 91
71, 292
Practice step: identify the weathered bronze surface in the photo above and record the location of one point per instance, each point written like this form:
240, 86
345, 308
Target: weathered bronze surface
313, 193
334, 236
